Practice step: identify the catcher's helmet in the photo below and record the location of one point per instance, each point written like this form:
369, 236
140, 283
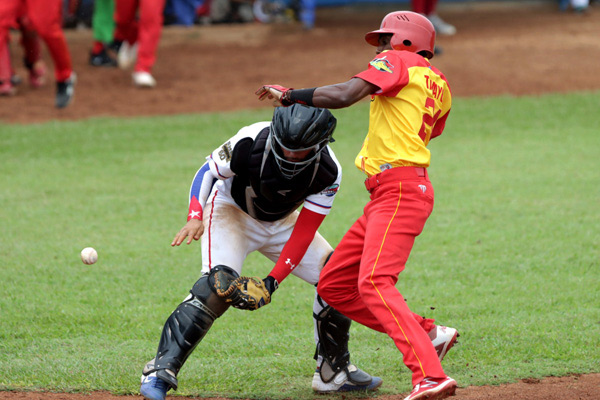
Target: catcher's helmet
410, 31
300, 128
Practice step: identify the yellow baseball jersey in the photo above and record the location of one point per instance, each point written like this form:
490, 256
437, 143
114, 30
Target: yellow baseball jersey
409, 109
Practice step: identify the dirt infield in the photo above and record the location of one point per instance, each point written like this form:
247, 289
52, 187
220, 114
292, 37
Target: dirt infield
575, 387
510, 49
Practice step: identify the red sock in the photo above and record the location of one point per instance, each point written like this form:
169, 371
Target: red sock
98, 47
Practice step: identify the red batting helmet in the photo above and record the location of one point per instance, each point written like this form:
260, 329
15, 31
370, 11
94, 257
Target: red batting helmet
410, 31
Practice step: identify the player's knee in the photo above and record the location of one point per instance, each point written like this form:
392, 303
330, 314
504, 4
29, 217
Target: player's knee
370, 288
205, 289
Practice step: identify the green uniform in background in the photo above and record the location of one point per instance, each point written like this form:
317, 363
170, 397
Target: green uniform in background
103, 28
103, 22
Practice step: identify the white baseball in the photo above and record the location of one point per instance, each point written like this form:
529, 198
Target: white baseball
89, 255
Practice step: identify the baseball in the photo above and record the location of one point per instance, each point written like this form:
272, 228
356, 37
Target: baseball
89, 255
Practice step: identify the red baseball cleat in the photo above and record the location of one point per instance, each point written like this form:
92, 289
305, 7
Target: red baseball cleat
7, 89
433, 389
443, 338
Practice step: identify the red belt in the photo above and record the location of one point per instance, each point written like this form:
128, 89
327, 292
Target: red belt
394, 175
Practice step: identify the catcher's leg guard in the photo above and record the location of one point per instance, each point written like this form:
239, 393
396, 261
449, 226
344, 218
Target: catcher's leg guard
188, 325
333, 330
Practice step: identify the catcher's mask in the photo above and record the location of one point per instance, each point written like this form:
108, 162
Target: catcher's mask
298, 135
410, 31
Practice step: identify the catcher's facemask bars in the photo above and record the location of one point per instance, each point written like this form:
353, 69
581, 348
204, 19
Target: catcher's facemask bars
291, 168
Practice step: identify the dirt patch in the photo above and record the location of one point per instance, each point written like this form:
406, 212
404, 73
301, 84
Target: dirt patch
499, 49
575, 387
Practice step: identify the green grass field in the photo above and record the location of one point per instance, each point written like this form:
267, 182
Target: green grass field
510, 255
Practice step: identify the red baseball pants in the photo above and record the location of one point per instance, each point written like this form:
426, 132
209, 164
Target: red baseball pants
46, 18
425, 7
146, 32
359, 280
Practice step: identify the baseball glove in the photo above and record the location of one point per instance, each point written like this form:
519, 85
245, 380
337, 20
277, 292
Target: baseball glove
248, 293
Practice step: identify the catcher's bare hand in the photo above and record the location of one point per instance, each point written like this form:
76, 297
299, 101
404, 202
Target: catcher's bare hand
192, 230
273, 92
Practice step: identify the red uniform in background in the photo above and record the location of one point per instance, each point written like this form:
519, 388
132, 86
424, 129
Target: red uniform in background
45, 17
428, 8
141, 35
424, 7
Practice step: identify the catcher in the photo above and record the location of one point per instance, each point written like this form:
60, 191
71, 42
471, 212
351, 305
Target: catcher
244, 199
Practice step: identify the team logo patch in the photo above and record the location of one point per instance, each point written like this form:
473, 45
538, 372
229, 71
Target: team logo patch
382, 64
225, 152
331, 190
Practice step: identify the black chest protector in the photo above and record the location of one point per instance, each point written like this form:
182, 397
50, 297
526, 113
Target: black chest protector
259, 188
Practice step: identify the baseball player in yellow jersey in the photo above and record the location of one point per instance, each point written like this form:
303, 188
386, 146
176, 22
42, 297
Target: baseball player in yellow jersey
410, 101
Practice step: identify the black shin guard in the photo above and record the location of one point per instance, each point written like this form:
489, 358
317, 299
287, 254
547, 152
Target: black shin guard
188, 325
333, 329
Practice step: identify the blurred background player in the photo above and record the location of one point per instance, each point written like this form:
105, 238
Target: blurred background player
36, 67
103, 27
410, 102
579, 6
139, 37
46, 19
428, 8
251, 187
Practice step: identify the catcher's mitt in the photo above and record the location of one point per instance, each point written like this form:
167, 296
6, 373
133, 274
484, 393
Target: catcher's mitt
248, 293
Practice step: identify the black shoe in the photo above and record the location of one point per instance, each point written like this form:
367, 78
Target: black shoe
65, 91
16, 80
102, 59
115, 45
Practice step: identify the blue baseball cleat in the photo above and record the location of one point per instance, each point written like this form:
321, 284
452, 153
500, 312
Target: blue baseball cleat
153, 388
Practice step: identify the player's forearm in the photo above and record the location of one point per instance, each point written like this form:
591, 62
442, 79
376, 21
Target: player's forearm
340, 95
303, 234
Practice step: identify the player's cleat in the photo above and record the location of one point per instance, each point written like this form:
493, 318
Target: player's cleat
102, 59
143, 79
127, 55
433, 389
65, 91
441, 27
153, 388
7, 89
443, 338
341, 382
37, 75
16, 80
115, 46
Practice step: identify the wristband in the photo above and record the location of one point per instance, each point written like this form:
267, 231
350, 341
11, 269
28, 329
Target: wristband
271, 284
195, 210
302, 96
